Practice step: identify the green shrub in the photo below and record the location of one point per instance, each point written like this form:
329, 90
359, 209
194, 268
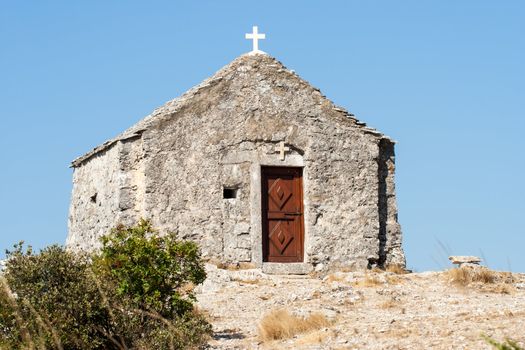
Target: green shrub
50, 300
137, 292
151, 277
9, 319
155, 272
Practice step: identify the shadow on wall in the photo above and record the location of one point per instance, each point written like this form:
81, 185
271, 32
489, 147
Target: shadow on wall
386, 156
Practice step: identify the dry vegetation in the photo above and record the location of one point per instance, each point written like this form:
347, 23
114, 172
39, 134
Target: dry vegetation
316, 337
482, 278
334, 277
397, 269
281, 324
464, 275
393, 274
390, 303
369, 280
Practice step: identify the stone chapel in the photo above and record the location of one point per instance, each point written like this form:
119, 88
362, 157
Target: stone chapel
255, 165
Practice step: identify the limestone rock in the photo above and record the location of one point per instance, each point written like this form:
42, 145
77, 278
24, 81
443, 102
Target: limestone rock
461, 260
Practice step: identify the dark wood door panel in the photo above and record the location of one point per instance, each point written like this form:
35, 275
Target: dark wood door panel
282, 216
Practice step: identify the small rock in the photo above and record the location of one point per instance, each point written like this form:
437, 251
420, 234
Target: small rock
459, 260
329, 313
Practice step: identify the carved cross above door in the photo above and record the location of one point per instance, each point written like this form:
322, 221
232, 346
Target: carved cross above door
282, 149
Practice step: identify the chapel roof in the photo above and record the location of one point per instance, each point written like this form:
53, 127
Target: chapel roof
171, 107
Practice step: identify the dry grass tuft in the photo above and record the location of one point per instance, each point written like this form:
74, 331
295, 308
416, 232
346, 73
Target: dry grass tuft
397, 269
463, 276
502, 288
485, 276
485, 279
347, 269
459, 276
390, 303
334, 277
400, 332
394, 279
316, 337
368, 281
281, 324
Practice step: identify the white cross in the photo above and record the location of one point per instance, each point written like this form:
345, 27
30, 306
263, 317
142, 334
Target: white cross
255, 36
282, 149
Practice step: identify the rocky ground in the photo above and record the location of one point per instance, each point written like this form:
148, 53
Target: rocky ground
367, 310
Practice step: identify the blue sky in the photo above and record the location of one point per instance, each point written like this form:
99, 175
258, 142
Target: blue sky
443, 78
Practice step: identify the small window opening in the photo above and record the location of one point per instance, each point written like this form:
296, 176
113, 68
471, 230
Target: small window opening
229, 193
93, 198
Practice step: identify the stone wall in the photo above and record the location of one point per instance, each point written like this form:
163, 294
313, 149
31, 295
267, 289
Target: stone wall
94, 208
131, 181
107, 190
218, 135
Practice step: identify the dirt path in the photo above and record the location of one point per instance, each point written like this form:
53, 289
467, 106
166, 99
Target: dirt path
375, 310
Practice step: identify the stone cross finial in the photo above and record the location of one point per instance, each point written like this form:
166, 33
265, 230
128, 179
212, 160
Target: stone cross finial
255, 36
282, 149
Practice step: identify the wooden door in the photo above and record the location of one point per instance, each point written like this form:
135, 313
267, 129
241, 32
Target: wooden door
282, 214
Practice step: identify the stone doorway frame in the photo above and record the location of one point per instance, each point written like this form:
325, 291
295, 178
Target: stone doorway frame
292, 160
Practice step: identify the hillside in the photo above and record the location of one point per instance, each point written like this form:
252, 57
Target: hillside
366, 310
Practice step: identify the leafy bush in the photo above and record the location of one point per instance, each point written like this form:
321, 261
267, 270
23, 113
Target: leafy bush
137, 292
155, 272
152, 278
52, 300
